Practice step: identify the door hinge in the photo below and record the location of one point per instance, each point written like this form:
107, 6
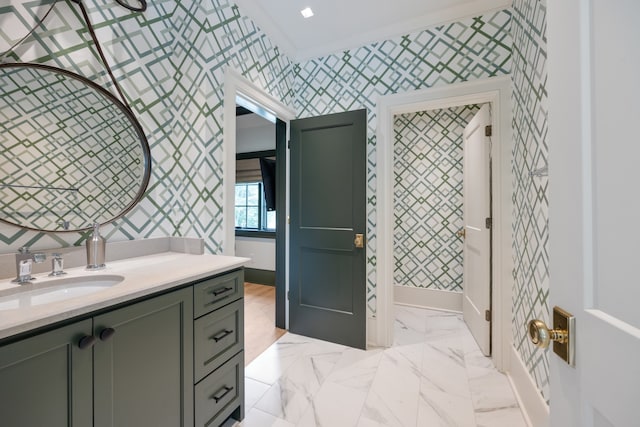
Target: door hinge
288, 295
487, 315
289, 144
487, 222
488, 130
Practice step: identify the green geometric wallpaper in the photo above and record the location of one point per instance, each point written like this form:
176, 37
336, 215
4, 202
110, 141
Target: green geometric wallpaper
170, 61
428, 197
460, 51
530, 201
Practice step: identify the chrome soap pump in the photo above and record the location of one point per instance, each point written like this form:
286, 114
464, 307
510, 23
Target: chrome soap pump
95, 249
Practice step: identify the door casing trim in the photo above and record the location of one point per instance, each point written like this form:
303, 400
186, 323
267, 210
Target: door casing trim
497, 92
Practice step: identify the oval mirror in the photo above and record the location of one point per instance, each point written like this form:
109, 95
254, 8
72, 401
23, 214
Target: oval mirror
72, 153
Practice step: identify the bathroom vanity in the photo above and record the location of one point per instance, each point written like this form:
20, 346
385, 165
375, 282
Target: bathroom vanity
160, 344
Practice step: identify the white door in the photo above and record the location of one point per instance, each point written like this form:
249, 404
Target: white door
594, 176
476, 294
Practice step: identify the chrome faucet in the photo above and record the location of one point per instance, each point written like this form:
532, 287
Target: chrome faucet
24, 265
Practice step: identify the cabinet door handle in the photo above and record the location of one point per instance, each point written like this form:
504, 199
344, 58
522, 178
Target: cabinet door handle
224, 390
106, 334
87, 341
220, 335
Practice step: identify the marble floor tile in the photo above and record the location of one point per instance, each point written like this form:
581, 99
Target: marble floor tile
501, 417
253, 391
433, 375
493, 399
271, 365
445, 398
289, 397
356, 369
334, 405
258, 418
393, 398
285, 400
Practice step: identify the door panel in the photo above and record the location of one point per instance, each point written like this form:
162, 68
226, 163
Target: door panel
593, 242
46, 380
328, 198
325, 196
477, 239
321, 286
150, 337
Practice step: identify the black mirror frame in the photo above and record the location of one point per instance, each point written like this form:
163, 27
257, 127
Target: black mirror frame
142, 8
134, 122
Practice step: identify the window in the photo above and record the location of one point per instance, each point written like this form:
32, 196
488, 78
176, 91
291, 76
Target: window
251, 208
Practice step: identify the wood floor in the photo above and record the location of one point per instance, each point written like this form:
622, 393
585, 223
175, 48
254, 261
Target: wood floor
259, 320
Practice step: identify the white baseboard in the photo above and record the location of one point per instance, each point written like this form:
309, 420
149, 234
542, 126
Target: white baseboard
534, 408
372, 332
428, 298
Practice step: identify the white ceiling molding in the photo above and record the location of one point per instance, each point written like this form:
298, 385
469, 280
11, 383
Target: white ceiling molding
338, 25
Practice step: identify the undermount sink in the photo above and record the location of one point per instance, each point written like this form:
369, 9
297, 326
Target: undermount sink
50, 291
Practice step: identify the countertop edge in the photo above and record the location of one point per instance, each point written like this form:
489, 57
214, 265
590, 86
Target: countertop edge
10, 329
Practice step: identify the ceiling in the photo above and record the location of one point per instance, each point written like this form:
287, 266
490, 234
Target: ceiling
344, 24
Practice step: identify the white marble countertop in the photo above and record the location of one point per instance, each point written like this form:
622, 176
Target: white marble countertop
143, 276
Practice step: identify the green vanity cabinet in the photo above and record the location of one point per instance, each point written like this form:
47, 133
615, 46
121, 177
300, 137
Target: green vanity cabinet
155, 362
46, 380
143, 363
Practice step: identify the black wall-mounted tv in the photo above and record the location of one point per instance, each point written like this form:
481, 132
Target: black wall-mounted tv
268, 170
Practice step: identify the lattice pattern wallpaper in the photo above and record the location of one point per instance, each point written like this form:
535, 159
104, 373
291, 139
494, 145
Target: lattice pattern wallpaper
428, 203
530, 201
170, 61
460, 51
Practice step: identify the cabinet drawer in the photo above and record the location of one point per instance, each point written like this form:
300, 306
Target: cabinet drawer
221, 394
216, 292
218, 336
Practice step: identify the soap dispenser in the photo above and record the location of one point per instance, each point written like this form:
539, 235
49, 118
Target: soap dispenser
95, 249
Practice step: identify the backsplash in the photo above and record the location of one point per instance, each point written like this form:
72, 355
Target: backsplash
466, 50
170, 61
428, 204
530, 201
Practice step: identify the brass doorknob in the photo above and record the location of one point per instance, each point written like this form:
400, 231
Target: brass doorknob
462, 233
541, 336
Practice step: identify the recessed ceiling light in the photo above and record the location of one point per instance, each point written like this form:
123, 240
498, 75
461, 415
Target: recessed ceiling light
307, 12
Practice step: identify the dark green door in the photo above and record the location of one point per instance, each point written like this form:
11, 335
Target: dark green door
328, 209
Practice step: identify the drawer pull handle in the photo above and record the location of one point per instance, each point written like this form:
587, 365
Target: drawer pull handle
218, 291
220, 335
224, 390
87, 341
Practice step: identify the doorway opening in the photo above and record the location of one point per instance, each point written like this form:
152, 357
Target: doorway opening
441, 244
257, 216
255, 223
496, 92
